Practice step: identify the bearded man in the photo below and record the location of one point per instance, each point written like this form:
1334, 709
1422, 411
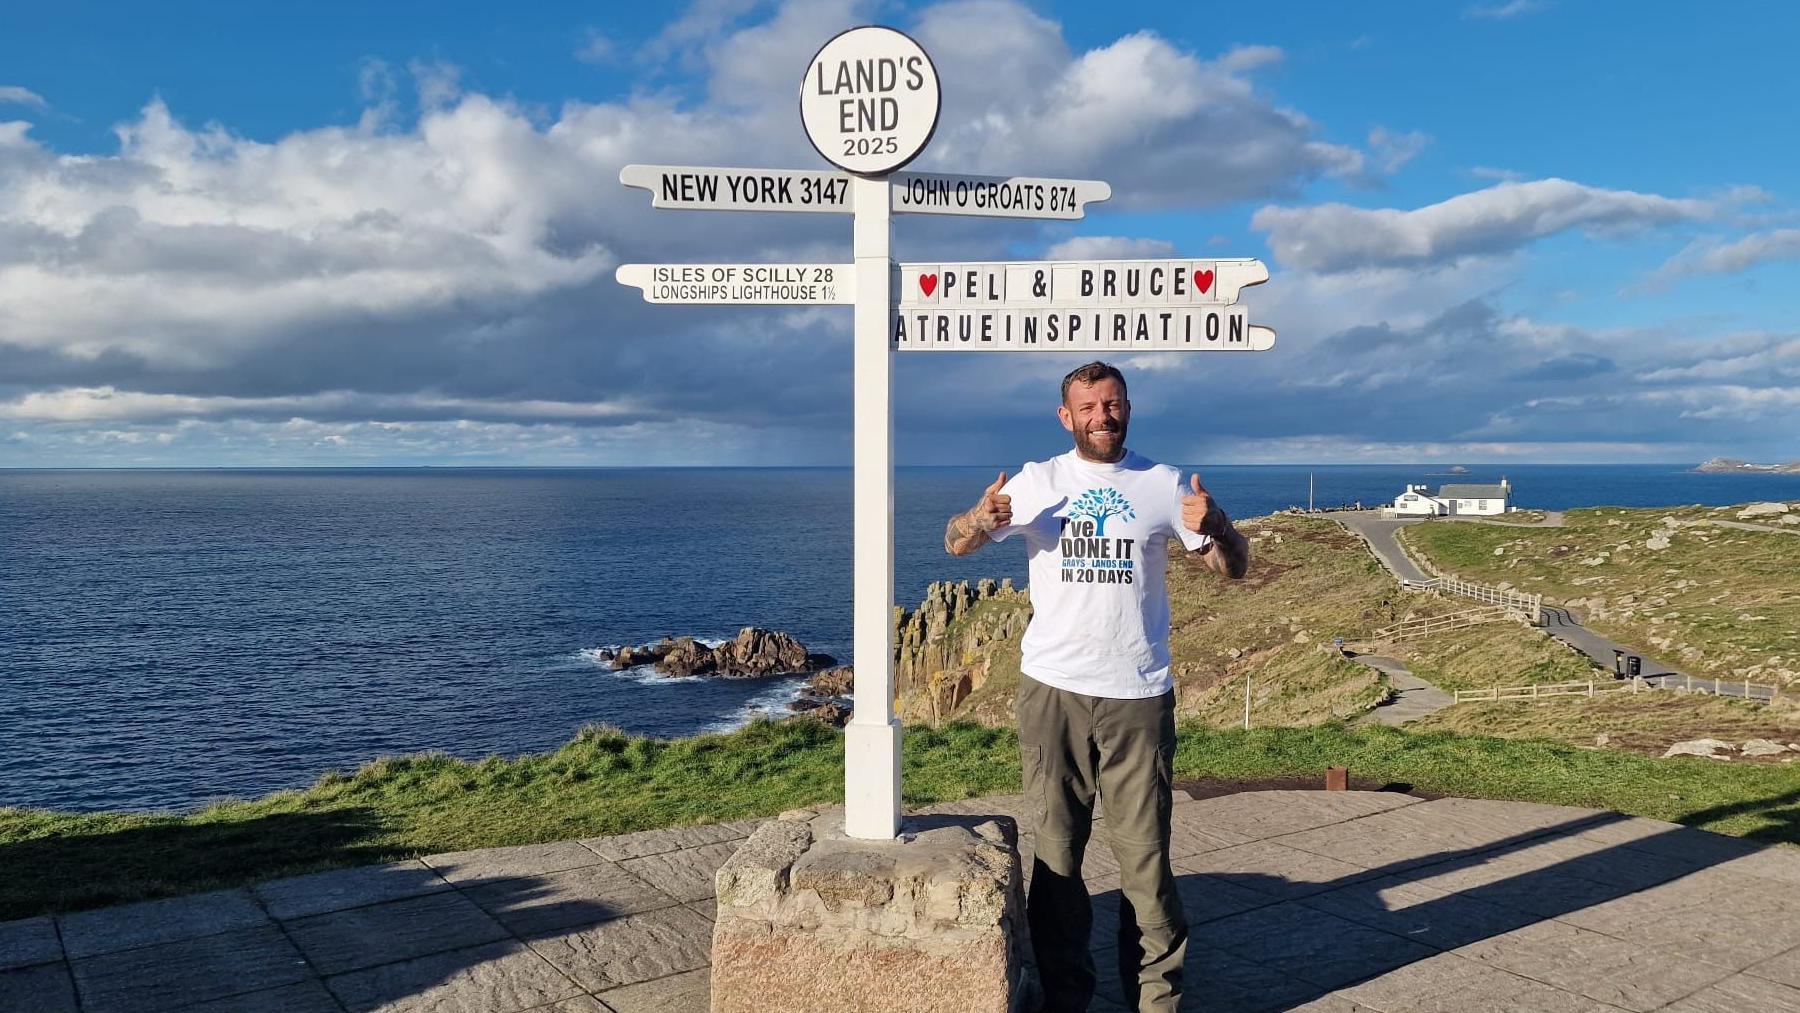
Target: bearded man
1096, 706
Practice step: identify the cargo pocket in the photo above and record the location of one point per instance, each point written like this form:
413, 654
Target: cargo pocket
1165, 787
1031, 768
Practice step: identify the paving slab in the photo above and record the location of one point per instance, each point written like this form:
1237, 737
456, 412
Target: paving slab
1208, 898
656, 842
168, 975
560, 900
397, 930
1315, 947
107, 930
1419, 913
504, 977
1784, 968
1263, 814
304, 997
1630, 975
468, 868
43, 988
629, 950
1347, 902
687, 992
338, 889
29, 941
1273, 869
1447, 983
1741, 994
579, 1004
684, 875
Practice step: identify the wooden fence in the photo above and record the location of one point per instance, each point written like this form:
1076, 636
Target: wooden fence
1423, 625
1529, 607
1753, 691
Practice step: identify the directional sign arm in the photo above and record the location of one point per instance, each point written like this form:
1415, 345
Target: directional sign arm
933, 193
742, 284
1237, 275
709, 188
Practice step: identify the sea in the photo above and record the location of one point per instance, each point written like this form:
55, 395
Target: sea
170, 638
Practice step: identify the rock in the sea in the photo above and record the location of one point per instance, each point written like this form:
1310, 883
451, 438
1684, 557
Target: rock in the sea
832, 682
1763, 747
1709, 748
754, 652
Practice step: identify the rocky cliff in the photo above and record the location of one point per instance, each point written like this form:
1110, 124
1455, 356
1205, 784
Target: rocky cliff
958, 652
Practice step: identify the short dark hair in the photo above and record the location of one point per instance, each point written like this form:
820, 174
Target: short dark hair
1092, 373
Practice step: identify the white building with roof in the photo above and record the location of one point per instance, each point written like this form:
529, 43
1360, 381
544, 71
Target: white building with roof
1454, 501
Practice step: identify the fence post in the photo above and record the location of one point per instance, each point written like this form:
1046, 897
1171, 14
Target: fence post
1715, 685
1590, 687
1496, 692
1746, 689
1690, 682
1636, 684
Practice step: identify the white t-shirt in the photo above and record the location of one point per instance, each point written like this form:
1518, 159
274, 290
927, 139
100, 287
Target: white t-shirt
1096, 539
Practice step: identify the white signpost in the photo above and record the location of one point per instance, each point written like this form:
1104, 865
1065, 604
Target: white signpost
869, 101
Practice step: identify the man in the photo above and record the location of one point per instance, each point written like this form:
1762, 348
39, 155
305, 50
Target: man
1096, 707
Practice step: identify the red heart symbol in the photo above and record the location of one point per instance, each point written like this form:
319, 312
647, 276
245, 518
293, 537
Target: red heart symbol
1203, 280
928, 284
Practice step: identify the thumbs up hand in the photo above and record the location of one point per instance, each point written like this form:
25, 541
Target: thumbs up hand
995, 508
1199, 512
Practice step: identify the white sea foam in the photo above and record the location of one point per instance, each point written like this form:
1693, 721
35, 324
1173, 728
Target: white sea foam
771, 702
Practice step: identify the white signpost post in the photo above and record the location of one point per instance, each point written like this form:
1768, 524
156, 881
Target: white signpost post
869, 101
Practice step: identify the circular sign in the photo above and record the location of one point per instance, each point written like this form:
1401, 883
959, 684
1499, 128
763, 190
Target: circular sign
870, 100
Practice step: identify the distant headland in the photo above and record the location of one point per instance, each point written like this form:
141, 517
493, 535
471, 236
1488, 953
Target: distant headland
1719, 465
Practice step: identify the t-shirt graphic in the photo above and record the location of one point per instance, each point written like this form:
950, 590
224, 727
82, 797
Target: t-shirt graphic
1096, 543
1088, 556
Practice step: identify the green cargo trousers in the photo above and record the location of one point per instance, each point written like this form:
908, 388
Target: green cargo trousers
1073, 747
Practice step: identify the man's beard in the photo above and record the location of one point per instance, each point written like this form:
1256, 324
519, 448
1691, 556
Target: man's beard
1101, 451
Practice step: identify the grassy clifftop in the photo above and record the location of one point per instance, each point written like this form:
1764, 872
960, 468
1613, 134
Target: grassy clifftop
607, 783
1714, 600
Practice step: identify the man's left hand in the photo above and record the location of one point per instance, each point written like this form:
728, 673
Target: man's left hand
1199, 512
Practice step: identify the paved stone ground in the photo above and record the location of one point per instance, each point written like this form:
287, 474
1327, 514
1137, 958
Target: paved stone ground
1340, 901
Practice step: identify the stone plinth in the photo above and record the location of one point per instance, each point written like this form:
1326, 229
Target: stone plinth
812, 920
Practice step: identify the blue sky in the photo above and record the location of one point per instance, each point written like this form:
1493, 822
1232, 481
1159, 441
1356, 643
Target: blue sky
1505, 230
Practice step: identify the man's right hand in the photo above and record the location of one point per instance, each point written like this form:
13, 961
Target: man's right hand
995, 508
967, 532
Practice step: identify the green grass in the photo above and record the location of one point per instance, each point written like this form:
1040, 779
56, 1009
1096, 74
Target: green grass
1714, 601
604, 782
1496, 654
1648, 722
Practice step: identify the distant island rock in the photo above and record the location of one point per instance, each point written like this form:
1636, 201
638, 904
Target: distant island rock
752, 654
1729, 465
1455, 469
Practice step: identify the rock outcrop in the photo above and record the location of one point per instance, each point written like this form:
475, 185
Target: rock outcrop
754, 653
956, 641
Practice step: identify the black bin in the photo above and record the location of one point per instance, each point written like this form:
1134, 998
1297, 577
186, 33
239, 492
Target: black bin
1633, 665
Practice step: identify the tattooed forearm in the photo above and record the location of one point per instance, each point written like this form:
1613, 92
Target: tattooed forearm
962, 536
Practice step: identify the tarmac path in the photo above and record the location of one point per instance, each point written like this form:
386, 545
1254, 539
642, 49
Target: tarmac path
1560, 622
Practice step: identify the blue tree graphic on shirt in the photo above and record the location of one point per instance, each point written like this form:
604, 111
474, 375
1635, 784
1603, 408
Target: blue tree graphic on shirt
1099, 504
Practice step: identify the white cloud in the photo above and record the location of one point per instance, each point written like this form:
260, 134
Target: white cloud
1165, 126
596, 48
1714, 257
1506, 11
1499, 219
12, 94
1392, 149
